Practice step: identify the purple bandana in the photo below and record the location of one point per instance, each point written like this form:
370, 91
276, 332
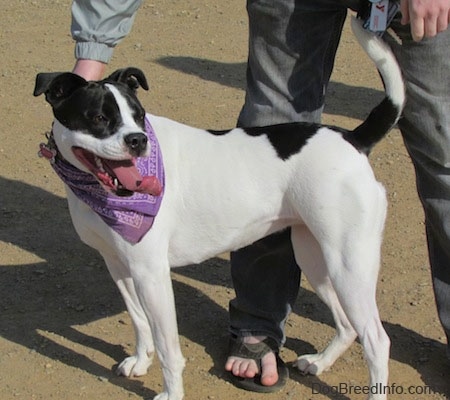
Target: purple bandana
131, 216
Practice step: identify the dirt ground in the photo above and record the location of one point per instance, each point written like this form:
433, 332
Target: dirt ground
63, 325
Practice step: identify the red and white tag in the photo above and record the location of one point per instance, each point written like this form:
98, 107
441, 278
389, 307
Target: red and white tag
378, 15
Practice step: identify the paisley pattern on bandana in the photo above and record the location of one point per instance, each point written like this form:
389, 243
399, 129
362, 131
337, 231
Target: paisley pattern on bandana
132, 216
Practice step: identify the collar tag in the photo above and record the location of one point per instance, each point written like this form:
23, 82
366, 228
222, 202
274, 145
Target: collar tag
48, 152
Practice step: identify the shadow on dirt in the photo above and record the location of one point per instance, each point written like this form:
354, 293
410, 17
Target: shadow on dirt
340, 98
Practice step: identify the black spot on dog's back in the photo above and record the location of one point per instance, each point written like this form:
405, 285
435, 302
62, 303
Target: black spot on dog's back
287, 139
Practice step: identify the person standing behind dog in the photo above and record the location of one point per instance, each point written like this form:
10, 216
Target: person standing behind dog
292, 47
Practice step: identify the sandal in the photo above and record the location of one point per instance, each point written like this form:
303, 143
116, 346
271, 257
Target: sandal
256, 352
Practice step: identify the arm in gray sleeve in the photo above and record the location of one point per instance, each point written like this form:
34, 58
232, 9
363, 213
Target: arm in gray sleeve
97, 26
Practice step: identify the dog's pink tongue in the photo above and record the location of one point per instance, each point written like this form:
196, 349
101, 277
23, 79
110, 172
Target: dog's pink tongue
150, 185
130, 178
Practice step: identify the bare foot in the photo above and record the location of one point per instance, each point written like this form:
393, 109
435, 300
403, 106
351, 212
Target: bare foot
247, 368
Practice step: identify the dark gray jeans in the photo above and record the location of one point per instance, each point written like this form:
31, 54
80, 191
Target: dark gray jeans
292, 48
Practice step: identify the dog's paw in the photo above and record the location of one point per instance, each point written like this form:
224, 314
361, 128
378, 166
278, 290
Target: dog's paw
165, 396
162, 396
134, 366
312, 364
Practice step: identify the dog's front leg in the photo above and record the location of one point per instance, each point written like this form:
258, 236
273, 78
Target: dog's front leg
154, 289
140, 361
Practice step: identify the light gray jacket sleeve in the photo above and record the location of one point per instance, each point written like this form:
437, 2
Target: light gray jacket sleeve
98, 25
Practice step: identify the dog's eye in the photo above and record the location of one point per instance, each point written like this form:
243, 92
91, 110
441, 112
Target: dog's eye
140, 115
99, 119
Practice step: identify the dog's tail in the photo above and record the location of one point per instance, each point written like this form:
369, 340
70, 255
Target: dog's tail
383, 117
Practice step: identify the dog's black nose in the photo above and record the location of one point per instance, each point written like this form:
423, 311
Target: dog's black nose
136, 142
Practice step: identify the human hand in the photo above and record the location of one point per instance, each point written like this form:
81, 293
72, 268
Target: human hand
90, 70
427, 17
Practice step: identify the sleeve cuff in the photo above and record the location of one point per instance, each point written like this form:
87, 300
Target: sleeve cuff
93, 51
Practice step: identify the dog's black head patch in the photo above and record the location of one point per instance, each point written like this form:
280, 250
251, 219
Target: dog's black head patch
89, 106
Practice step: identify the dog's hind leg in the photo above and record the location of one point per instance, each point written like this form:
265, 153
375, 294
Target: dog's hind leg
309, 256
353, 275
350, 246
137, 364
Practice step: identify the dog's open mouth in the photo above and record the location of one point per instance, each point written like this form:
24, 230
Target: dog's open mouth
120, 177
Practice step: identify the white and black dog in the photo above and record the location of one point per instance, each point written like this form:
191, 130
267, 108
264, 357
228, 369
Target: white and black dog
225, 190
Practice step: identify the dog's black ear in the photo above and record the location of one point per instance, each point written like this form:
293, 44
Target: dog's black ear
43, 81
57, 86
133, 77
